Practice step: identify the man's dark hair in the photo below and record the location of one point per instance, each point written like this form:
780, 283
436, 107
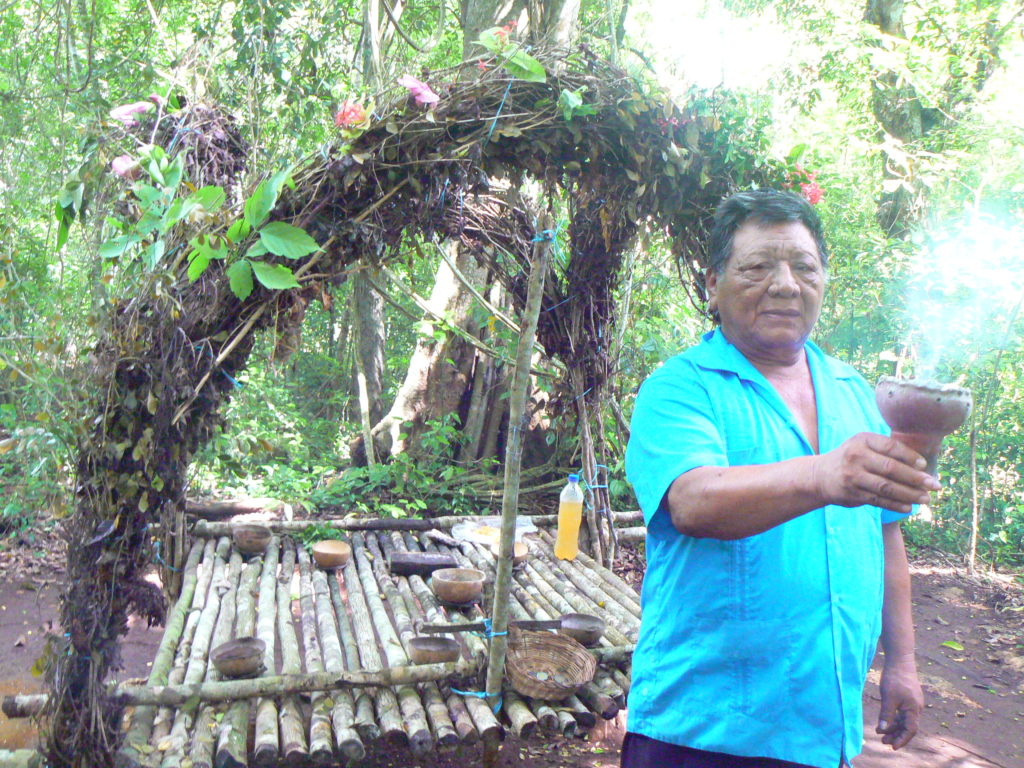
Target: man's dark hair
765, 207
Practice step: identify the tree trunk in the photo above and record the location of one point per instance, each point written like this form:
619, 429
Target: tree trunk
440, 369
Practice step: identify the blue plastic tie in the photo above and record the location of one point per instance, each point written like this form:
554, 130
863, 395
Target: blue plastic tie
488, 631
481, 695
159, 559
225, 374
558, 304
498, 113
544, 236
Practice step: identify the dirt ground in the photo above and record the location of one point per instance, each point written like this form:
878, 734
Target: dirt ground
970, 639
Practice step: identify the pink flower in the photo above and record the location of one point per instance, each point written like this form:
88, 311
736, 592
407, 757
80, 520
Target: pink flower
812, 192
350, 114
419, 90
125, 166
126, 112
481, 65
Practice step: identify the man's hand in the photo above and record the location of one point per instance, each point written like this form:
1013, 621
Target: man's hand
902, 702
874, 469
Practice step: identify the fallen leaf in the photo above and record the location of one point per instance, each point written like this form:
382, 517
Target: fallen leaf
953, 644
20, 641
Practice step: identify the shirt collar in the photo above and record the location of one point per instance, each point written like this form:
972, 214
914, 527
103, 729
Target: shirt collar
717, 353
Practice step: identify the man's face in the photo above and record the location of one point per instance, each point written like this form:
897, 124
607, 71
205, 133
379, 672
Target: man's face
769, 294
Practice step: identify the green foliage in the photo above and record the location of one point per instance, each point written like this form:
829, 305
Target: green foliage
513, 58
428, 483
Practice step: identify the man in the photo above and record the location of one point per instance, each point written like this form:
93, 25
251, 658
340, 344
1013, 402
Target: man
771, 495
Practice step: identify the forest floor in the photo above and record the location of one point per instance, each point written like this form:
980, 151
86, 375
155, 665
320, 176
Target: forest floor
970, 640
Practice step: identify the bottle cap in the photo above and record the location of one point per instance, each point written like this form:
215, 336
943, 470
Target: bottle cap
574, 478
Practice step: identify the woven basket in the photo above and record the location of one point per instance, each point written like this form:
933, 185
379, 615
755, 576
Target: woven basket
563, 664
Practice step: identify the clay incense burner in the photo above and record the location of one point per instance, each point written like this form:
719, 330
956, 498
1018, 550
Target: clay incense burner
921, 414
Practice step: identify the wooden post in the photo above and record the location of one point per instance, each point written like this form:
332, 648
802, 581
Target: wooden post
513, 458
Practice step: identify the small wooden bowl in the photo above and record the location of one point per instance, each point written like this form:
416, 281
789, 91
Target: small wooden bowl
582, 627
251, 538
433, 650
241, 657
519, 552
458, 585
332, 553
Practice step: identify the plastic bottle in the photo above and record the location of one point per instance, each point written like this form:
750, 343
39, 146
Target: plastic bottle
570, 515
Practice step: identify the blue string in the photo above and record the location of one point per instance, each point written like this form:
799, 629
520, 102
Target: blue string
159, 559
558, 304
445, 191
481, 695
225, 374
488, 631
498, 113
545, 236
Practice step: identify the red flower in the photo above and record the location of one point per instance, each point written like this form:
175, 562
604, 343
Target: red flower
350, 114
481, 65
812, 192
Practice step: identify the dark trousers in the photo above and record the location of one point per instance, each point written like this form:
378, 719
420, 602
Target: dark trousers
641, 752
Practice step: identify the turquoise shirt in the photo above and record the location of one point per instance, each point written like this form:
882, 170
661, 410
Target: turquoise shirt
760, 646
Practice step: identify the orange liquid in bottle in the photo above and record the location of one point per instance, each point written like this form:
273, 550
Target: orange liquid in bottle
567, 543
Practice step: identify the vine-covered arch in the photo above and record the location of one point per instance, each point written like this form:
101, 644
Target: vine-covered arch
169, 356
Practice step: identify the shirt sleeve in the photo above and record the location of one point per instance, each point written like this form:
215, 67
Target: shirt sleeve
673, 430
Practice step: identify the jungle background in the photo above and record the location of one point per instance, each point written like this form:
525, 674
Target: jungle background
902, 122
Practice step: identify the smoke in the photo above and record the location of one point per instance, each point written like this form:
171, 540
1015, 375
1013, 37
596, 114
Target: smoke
964, 290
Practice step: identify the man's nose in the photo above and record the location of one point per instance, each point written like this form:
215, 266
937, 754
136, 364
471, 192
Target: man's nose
783, 281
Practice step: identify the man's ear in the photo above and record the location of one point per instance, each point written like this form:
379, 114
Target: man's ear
711, 285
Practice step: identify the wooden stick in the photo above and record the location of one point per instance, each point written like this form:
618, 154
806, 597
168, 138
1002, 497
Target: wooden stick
364, 722
233, 737
138, 733
611, 610
290, 721
566, 723
579, 605
622, 680
613, 586
369, 655
519, 714
634, 534
195, 671
276, 685
584, 717
420, 739
607, 575
165, 716
490, 730
267, 743
343, 714
441, 726
598, 701
207, 528
320, 745
203, 740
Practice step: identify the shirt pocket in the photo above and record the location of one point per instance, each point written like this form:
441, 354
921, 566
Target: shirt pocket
745, 665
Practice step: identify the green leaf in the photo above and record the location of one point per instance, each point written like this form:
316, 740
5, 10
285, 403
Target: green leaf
240, 279
152, 255
174, 173
264, 198
568, 102
277, 277
256, 249
953, 644
238, 231
197, 264
287, 240
523, 66
796, 153
490, 40
209, 197
114, 248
